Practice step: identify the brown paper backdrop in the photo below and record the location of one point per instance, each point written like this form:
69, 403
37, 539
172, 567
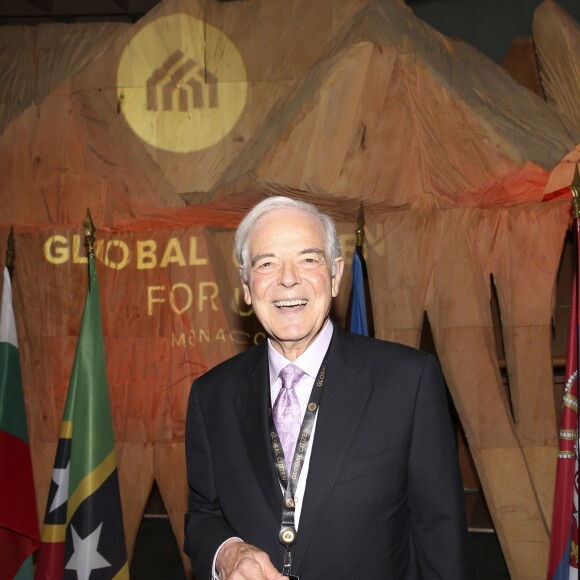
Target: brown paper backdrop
167, 324
345, 102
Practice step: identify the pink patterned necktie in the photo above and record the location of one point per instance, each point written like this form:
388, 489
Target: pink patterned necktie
286, 411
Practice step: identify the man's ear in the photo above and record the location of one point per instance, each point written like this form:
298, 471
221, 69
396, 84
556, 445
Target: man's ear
339, 263
247, 295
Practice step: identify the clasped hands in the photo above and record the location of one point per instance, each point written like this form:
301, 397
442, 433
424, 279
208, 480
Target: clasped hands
240, 561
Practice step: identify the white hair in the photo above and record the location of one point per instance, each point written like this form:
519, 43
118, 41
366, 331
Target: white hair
333, 249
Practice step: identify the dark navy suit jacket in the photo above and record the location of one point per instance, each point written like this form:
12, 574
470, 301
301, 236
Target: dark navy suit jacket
383, 499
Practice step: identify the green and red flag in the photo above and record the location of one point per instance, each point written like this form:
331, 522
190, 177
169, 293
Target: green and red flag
19, 533
83, 535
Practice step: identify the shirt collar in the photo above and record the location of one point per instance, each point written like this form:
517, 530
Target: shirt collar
309, 361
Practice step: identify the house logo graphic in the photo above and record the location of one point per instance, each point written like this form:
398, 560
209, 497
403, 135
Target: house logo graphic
181, 84
178, 83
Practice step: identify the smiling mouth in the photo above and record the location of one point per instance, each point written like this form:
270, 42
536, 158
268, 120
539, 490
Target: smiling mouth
283, 304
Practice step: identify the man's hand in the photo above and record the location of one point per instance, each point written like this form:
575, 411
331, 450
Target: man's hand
240, 561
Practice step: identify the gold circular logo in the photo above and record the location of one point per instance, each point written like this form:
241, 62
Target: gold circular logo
169, 86
312, 406
288, 536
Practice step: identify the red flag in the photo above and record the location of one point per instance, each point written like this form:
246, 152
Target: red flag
563, 561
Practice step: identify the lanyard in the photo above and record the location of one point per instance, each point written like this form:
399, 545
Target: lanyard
289, 481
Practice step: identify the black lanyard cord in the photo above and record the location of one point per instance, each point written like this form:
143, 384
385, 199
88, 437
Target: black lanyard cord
289, 481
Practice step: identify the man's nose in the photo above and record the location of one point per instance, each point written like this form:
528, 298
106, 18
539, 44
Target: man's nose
289, 274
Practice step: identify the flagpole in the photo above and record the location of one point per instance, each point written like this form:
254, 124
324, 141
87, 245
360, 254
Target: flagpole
10, 251
360, 227
89, 232
90, 229
575, 188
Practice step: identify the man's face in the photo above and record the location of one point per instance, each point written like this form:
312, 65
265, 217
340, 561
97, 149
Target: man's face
290, 285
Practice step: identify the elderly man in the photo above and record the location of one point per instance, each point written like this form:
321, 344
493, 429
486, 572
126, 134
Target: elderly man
318, 454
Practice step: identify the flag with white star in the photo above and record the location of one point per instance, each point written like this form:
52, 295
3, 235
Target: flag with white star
83, 537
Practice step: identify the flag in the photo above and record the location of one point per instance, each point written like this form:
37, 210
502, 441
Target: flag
19, 533
563, 559
358, 317
83, 533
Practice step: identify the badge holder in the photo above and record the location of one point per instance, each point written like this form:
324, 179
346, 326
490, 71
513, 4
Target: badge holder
287, 537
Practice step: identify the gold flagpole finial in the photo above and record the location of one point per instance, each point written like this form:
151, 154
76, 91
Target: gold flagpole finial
10, 250
360, 226
89, 233
575, 187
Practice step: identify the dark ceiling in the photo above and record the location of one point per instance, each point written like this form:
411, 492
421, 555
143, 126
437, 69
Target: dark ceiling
33, 12
490, 26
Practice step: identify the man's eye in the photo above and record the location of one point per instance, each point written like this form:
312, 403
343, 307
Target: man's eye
265, 266
312, 262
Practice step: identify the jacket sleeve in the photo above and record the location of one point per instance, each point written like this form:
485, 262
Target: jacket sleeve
436, 495
205, 527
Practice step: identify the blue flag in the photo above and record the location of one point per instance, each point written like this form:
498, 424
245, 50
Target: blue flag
358, 318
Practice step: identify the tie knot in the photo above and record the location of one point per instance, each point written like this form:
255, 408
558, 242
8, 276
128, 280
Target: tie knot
290, 375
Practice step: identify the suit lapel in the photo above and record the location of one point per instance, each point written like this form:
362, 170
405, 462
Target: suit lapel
252, 406
346, 391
